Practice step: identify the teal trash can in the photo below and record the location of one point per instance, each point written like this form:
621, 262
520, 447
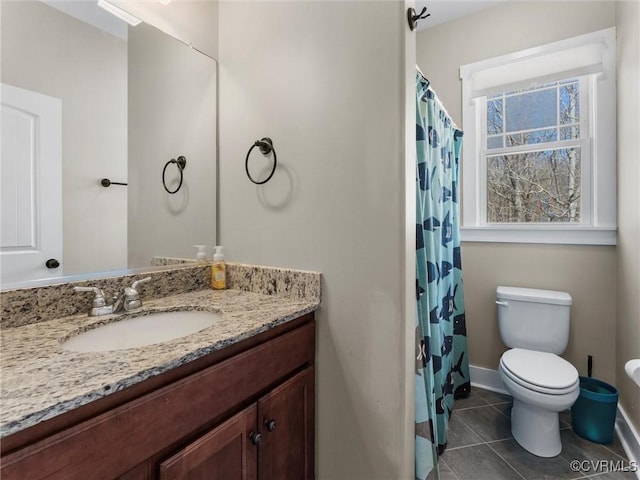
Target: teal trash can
593, 416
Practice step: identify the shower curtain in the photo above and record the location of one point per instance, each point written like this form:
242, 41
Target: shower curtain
442, 367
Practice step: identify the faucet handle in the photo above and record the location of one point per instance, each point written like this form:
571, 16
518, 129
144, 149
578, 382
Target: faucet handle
98, 300
135, 284
132, 297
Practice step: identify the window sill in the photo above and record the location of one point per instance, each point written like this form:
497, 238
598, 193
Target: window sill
540, 234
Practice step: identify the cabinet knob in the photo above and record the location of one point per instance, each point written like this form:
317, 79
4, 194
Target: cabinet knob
270, 424
255, 438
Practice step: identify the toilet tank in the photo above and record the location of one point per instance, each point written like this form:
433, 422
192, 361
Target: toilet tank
533, 319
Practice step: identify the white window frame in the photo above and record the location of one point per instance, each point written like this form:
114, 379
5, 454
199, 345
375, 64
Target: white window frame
590, 57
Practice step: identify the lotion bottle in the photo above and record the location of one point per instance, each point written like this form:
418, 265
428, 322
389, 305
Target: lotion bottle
218, 270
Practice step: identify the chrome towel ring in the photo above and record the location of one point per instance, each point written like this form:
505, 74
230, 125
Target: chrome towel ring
266, 147
181, 163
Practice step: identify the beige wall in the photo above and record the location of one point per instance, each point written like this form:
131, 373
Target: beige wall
628, 293
46, 51
588, 273
324, 81
172, 112
191, 21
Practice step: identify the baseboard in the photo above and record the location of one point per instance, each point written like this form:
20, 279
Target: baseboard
486, 378
629, 438
490, 380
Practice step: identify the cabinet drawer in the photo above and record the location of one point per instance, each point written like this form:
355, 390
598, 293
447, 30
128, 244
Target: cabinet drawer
116, 441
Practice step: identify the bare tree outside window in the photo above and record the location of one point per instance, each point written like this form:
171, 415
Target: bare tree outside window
533, 162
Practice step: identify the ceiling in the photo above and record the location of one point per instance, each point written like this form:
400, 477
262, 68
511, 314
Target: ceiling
445, 10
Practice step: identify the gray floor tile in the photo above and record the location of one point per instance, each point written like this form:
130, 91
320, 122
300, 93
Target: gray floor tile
459, 434
445, 472
494, 398
532, 467
488, 422
487, 415
616, 447
473, 400
615, 476
574, 447
478, 463
504, 408
565, 419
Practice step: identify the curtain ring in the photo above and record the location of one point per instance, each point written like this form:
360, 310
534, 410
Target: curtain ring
266, 147
181, 163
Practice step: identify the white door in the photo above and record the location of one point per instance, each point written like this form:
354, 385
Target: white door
30, 185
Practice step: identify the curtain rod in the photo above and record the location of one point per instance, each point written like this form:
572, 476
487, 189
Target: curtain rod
435, 95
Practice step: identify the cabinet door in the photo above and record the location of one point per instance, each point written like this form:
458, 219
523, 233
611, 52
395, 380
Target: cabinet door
286, 417
225, 453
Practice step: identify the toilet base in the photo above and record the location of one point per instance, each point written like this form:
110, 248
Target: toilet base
536, 429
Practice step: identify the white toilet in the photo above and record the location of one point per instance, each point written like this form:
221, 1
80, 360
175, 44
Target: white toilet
534, 324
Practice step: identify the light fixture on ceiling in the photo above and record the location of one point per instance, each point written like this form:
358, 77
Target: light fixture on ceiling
165, 2
118, 12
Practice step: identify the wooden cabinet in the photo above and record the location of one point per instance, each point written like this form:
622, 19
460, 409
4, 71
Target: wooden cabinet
201, 426
270, 440
287, 426
227, 452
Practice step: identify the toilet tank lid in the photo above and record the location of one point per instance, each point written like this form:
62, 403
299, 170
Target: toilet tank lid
533, 295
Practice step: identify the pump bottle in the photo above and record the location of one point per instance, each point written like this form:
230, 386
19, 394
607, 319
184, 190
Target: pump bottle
201, 256
218, 270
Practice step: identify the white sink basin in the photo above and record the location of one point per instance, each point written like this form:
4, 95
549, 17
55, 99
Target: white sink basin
141, 331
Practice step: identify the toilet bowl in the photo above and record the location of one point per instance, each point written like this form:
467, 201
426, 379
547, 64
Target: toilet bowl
535, 325
542, 385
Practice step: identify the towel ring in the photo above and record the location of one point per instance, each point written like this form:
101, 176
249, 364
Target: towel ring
181, 163
266, 147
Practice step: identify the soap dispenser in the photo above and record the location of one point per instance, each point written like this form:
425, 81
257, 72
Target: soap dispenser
201, 256
218, 270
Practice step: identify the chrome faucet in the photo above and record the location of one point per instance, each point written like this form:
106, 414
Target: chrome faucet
128, 299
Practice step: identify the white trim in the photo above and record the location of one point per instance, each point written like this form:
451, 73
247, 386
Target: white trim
629, 437
577, 56
489, 379
561, 235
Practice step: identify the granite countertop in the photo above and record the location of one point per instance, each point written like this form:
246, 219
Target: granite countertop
41, 380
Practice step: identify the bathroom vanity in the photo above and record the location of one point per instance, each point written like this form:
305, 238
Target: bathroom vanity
234, 401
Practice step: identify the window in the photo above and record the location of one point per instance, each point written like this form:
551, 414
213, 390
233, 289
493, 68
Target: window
533, 154
538, 161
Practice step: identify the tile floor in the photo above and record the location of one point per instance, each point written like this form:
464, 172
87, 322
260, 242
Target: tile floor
480, 447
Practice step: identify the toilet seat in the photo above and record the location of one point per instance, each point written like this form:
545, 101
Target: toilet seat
542, 372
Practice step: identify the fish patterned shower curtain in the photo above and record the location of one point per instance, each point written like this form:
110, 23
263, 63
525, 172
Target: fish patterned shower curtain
442, 366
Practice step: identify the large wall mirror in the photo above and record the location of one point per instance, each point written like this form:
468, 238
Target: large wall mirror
86, 97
